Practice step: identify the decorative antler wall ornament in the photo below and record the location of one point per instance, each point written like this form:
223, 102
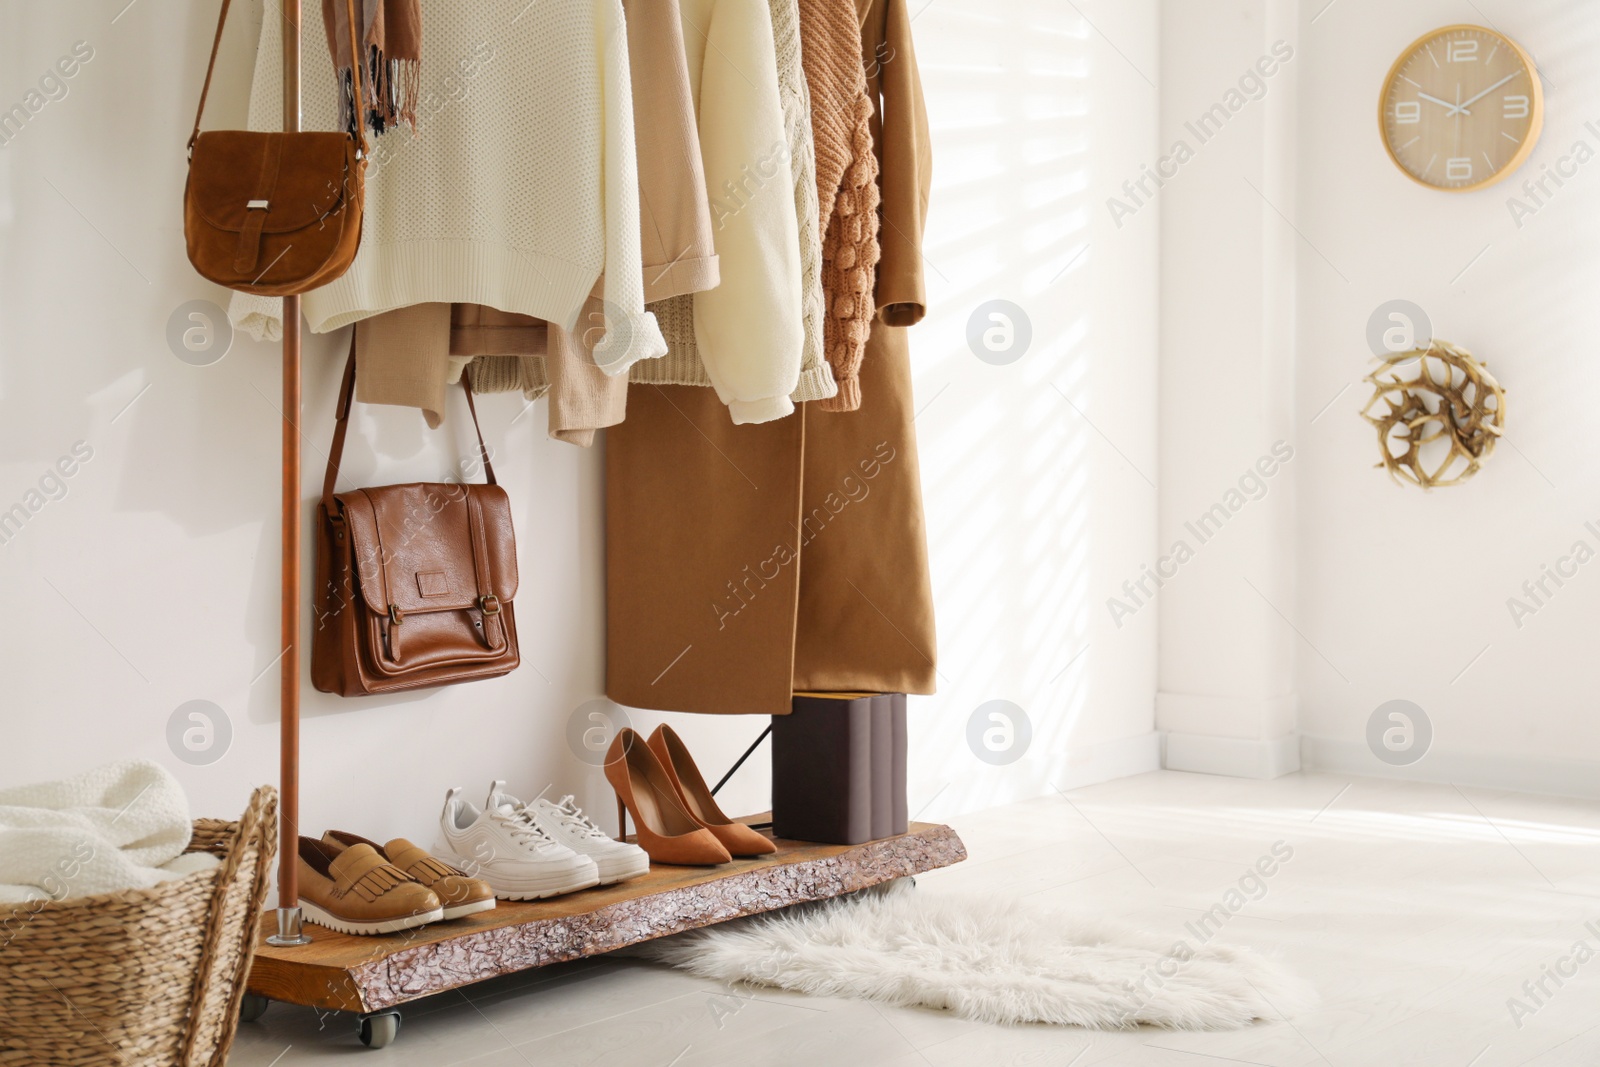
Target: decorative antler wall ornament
1441, 400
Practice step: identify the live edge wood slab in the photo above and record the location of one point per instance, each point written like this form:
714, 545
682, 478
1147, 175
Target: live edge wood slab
363, 974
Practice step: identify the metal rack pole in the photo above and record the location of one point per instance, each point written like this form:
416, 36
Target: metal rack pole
290, 930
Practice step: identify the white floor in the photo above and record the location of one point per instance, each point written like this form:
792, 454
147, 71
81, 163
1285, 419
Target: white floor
1417, 911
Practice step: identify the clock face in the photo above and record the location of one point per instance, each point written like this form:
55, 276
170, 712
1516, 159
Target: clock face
1461, 109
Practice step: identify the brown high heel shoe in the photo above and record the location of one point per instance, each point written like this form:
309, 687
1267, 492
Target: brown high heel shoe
736, 837
667, 832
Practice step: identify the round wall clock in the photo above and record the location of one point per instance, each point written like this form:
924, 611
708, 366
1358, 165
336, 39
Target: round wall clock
1461, 108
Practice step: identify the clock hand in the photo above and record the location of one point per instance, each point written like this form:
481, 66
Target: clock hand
1436, 100
1457, 113
1461, 106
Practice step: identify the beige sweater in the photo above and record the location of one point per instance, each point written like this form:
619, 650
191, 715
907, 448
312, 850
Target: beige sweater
675, 230
682, 364
406, 353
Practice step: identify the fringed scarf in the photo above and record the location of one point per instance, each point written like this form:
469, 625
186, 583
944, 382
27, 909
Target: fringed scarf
391, 38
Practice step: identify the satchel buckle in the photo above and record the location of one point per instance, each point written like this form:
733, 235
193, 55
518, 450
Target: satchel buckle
395, 615
255, 205
489, 604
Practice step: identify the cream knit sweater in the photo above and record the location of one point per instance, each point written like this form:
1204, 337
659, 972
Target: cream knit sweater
519, 189
682, 364
748, 331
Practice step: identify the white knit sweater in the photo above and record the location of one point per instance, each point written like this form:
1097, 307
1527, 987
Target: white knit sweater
519, 189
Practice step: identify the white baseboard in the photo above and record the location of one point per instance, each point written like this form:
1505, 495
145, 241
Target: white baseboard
1484, 770
1235, 757
1119, 758
1210, 715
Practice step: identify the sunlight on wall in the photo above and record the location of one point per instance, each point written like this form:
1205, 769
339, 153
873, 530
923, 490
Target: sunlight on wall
1006, 462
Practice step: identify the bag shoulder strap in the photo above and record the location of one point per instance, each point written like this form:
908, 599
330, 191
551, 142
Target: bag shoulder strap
347, 392
211, 66
483, 452
355, 74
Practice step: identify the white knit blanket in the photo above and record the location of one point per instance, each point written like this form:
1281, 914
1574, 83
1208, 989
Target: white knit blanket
120, 826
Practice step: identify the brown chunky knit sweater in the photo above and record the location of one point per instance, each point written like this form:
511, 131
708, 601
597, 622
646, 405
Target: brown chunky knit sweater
847, 186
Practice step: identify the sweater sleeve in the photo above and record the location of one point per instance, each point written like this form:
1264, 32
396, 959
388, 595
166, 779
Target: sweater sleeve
749, 328
631, 331
905, 174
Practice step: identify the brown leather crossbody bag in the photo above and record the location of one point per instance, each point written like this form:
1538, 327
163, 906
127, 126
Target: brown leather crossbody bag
274, 214
415, 581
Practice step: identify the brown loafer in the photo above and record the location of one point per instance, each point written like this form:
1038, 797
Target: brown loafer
736, 837
459, 893
356, 892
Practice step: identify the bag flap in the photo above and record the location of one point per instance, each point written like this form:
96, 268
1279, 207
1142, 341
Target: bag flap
304, 183
412, 545
494, 509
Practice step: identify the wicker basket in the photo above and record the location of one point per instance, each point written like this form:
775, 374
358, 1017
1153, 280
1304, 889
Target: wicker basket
142, 977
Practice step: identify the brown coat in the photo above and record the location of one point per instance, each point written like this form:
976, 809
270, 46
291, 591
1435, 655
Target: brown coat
745, 563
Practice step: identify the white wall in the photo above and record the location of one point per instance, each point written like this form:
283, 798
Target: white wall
153, 581
1405, 593
1279, 240
1230, 76
1040, 473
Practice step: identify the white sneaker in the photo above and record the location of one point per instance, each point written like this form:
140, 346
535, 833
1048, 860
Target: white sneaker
567, 823
507, 848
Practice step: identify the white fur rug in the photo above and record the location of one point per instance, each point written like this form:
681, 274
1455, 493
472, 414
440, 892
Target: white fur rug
993, 960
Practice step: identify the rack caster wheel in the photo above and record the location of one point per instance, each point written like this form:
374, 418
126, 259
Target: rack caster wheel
252, 1007
380, 1028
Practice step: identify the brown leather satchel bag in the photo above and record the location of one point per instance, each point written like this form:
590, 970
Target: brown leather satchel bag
274, 213
414, 582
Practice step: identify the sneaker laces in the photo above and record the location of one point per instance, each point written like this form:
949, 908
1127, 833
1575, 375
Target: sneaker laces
568, 813
519, 822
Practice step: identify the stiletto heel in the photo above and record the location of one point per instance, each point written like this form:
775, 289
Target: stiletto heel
661, 825
622, 820
696, 798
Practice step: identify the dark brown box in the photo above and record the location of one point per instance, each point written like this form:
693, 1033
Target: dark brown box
839, 769
822, 771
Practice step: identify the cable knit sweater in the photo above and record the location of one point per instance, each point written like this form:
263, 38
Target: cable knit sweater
682, 365
847, 185
519, 190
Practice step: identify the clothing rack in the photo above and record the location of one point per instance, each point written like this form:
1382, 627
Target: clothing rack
289, 925
346, 973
